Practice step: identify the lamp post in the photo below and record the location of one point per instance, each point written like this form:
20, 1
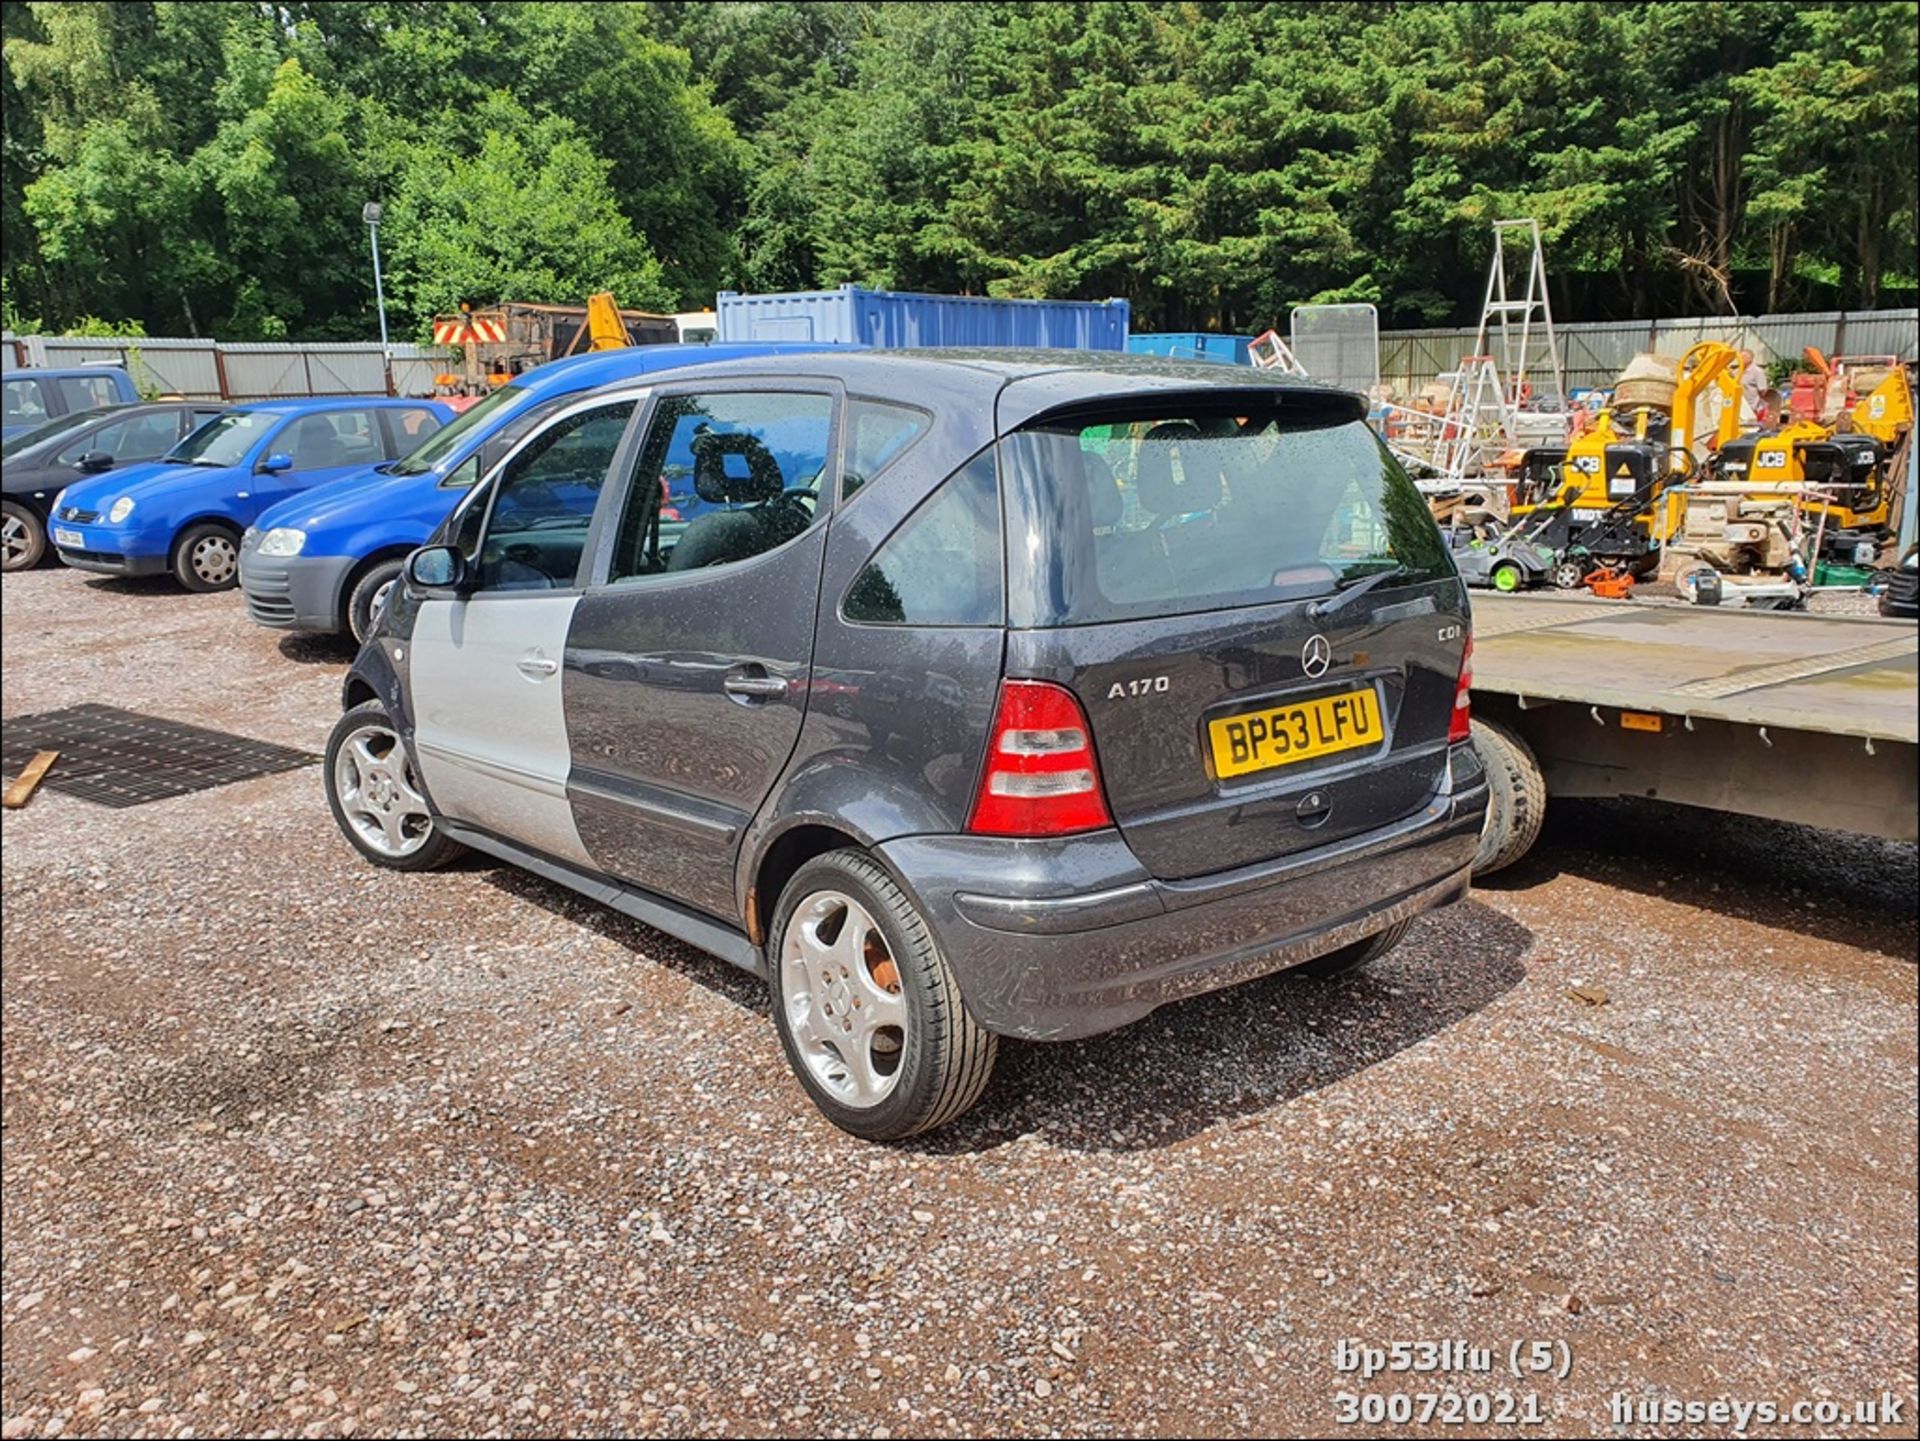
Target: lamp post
370, 213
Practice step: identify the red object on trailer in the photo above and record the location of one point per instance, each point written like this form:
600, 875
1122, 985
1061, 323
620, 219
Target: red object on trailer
1808, 397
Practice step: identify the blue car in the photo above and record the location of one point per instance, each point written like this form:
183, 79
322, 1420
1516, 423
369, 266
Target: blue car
31, 398
186, 512
325, 560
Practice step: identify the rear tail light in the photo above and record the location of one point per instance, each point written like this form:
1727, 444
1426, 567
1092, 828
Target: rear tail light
1041, 777
1460, 726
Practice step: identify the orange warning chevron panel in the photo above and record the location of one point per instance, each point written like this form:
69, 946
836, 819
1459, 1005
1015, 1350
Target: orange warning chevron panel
470, 330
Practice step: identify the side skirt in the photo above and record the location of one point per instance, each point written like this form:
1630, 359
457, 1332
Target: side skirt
683, 924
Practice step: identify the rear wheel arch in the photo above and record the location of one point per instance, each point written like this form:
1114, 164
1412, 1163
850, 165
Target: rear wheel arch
357, 692
779, 860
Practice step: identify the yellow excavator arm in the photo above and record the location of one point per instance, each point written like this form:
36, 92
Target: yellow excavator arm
1710, 365
605, 329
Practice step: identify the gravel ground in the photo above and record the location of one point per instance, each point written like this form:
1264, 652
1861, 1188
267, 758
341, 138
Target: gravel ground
296, 1147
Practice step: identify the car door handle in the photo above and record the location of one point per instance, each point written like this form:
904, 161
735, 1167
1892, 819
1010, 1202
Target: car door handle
537, 665
755, 687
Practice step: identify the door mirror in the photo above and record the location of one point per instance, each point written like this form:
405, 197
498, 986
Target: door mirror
437, 570
93, 462
276, 463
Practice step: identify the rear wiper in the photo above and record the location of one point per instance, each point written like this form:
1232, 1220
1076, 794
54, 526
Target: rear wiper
1351, 591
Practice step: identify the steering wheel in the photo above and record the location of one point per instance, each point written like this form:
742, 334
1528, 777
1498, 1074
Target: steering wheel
803, 495
524, 554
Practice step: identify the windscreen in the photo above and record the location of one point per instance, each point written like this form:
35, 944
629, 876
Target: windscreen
226, 439
451, 437
1190, 509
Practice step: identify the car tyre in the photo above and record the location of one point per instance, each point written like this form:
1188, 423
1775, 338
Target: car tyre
369, 597
23, 539
1352, 957
207, 557
1516, 799
867, 1008
376, 797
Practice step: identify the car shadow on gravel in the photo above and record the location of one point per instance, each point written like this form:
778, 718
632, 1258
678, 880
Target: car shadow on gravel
134, 584
1229, 1056
308, 648
1238, 1055
1832, 885
728, 981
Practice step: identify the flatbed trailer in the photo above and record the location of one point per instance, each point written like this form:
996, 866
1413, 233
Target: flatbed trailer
1794, 717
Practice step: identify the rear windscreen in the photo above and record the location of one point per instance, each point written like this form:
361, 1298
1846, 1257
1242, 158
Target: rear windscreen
1120, 518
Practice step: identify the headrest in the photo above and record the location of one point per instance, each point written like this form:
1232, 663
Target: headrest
1104, 501
1159, 491
717, 485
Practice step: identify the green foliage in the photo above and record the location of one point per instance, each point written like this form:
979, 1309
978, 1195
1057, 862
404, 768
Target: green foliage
532, 214
92, 326
200, 167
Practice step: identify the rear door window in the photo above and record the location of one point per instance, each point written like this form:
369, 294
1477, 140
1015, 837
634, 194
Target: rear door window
1170, 513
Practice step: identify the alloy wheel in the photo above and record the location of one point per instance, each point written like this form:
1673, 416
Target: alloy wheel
15, 543
842, 991
378, 792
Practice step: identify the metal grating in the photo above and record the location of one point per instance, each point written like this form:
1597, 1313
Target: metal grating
121, 758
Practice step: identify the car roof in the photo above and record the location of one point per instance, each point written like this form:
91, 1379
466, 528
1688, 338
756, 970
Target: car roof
43, 372
296, 405
1025, 384
607, 367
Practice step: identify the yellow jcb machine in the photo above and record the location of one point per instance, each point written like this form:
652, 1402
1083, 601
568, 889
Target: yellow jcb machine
1603, 498
1846, 419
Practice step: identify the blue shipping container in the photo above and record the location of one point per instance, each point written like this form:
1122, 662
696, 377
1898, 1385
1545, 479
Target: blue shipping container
1193, 345
897, 319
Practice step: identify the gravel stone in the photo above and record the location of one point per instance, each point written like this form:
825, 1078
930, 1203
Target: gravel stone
297, 1147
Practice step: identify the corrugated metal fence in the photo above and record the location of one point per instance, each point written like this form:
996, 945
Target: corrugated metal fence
209, 370
1594, 353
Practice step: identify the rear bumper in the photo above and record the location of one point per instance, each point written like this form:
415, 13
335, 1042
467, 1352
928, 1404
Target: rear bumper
1053, 940
295, 592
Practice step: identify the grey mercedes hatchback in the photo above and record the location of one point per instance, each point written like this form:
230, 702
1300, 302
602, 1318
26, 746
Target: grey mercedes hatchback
958, 694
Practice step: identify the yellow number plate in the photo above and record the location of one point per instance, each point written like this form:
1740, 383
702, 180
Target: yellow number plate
1262, 739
